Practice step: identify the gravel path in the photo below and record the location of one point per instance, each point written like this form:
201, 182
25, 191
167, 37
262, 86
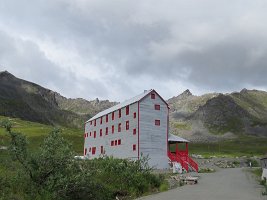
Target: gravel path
225, 184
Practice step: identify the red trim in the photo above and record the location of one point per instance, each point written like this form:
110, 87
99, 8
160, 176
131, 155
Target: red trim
84, 138
138, 130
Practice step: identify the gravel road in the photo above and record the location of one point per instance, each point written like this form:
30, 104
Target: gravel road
225, 184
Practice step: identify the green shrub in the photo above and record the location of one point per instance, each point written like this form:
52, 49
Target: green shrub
254, 162
164, 187
51, 172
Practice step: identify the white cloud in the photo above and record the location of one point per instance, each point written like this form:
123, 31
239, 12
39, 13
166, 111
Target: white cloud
115, 49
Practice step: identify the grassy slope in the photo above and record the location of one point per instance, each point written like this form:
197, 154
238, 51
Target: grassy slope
242, 146
36, 132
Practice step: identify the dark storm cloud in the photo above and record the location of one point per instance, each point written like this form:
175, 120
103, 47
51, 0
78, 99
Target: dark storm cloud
115, 48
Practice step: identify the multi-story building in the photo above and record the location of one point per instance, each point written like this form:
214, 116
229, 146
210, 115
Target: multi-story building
138, 126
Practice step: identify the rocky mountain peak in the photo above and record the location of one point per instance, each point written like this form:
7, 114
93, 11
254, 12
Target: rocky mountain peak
6, 74
185, 94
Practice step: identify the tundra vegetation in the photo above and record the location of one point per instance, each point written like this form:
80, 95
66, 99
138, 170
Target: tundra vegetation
51, 172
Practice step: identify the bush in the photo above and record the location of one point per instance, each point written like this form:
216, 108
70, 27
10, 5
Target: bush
254, 162
51, 172
164, 187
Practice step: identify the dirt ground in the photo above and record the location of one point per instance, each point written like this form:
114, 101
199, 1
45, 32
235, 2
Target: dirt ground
224, 184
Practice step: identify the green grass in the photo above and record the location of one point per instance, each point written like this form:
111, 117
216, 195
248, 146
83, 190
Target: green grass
35, 133
242, 146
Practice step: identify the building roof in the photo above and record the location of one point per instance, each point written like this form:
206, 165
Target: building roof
175, 138
121, 105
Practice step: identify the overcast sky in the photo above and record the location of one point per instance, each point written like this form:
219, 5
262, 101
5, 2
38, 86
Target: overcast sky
115, 49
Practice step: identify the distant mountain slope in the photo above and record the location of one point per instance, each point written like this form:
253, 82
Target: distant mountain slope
238, 113
29, 101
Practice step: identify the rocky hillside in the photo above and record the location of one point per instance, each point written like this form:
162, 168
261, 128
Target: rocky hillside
216, 115
29, 101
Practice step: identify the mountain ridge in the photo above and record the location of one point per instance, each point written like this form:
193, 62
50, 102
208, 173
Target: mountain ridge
206, 117
30, 101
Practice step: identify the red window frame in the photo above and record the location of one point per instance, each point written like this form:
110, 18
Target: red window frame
157, 122
85, 135
127, 125
94, 134
134, 131
101, 120
134, 147
112, 129
157, 107
112, 143
93, 150
113, 115
107, 118
134, 115
153, 96
100, 132
119, 127
119, 113
85, 151
116, 142
119, 142
127, 110
106, 130
95, 122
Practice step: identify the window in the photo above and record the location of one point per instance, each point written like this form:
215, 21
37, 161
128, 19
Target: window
101, 120
127, 125
115, 142
134, 147
119, 142
106, 130
134, 131
157, 122
113, 115
106, 118
102, 150
119, 113
112, 128
112, 143
157, 107
127, 110
93, 150
95, 122
94, 134
134, 115
119, 127
90, 122
86, 134
90, 134
100, 132
153, 96
85, 151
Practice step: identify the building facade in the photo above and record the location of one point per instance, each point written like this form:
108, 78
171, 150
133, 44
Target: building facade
136, 127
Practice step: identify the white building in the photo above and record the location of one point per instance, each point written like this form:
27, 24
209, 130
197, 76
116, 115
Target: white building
138, 126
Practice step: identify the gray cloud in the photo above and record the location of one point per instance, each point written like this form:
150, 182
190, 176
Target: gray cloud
116, 49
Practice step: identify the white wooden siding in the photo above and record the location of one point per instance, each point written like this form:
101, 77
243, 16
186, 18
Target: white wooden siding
153, 139
125, 150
